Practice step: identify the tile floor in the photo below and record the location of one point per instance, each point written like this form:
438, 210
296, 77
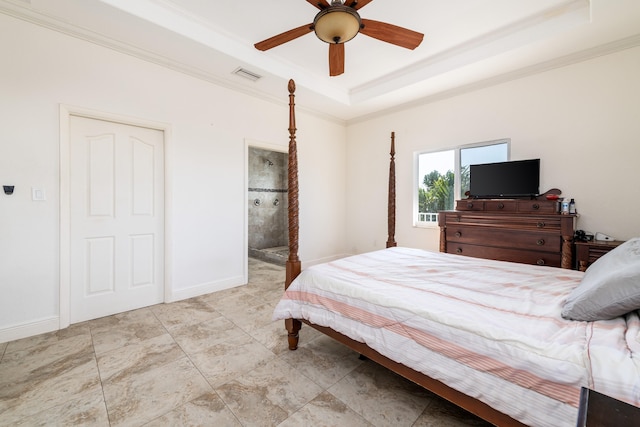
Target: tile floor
214, 360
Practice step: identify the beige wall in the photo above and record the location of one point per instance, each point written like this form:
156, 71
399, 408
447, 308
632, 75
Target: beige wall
205, 162
582, 121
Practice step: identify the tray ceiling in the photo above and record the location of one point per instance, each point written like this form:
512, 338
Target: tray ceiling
467, 43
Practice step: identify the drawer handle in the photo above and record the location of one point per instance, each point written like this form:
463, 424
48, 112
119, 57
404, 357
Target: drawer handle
540, 242
540, 224
535, 206
540, 262
469, 205
458, 234
459, 250
500, 205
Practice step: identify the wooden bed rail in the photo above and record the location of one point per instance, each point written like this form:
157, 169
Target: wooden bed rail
293, 268
469, 404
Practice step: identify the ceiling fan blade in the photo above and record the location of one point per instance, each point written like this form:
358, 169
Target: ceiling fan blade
320, 4
391, 33
284, 37
336, 59
357, 4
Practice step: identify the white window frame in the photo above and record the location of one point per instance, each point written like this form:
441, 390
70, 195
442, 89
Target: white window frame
456, 171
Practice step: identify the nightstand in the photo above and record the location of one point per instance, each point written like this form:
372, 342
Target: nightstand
588, 252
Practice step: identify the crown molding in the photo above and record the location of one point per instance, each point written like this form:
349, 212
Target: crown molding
563, 61
19, 9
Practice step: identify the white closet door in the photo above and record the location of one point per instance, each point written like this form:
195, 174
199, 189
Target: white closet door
117, 218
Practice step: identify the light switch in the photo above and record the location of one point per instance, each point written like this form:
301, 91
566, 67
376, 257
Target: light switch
38, 194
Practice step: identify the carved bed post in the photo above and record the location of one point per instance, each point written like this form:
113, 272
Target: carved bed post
391, 206
443, 235
293, 265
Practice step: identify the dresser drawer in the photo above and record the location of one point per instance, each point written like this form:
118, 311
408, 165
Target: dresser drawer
528, 222
507, 205
503, 254
505, 238
470, 205
534, 206
500, 206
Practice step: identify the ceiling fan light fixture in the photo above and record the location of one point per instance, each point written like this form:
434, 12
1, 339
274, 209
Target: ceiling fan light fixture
337, 23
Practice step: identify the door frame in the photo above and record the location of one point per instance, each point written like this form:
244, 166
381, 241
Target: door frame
66, 111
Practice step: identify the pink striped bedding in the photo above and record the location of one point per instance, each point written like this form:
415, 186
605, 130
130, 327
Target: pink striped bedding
489, 329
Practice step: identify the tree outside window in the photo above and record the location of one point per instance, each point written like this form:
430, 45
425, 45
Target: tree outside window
444, 174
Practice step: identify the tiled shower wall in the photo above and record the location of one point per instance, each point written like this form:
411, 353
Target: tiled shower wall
268, 199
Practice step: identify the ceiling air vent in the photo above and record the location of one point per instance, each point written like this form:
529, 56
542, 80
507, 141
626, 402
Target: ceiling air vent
243, 72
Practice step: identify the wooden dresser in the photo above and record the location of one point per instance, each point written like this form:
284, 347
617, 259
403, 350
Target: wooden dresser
525, 231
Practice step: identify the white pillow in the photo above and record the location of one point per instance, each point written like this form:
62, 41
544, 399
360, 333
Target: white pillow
610, 286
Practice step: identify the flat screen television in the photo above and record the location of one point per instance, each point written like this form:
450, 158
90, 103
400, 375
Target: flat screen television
518, 178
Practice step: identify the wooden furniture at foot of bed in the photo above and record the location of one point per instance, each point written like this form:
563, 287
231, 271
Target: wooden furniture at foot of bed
524, 231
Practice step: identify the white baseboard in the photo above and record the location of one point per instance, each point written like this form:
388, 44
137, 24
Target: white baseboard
206, 288
53, 323
29, 329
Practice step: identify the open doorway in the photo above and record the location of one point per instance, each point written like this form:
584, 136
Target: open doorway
267, 205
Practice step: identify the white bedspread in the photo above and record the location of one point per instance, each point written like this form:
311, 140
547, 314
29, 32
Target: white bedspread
489, 329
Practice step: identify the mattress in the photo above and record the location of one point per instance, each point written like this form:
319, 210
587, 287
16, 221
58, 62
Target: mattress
489, 329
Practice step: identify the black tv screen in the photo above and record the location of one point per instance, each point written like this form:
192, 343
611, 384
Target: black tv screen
517, 178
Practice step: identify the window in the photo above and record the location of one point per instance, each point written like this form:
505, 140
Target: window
443, 176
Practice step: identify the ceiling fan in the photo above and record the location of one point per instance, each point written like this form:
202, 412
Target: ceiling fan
339, 22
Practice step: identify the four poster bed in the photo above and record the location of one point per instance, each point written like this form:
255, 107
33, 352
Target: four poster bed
486, 335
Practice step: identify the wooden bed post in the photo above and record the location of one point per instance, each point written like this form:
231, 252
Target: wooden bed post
391, 206
293, 265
